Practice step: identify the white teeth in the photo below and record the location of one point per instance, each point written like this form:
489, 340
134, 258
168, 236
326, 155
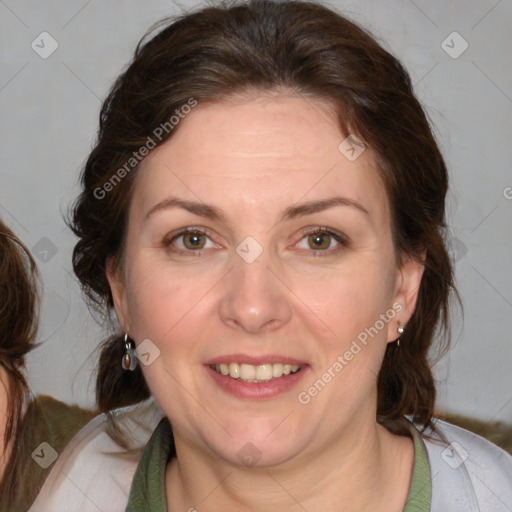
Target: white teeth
234, 370
261, 373
247, 372
264, 372
277, 370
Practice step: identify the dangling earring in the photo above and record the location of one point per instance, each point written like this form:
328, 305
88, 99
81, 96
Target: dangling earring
400, 330
129, 360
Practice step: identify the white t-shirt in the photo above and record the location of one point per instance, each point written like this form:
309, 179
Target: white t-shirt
94, 473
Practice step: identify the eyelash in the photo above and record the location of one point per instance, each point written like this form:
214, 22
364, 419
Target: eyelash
342, 240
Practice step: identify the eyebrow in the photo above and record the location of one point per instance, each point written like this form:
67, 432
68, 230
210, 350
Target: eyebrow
214, 213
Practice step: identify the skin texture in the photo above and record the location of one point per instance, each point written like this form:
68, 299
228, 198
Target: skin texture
254, 158
5, 449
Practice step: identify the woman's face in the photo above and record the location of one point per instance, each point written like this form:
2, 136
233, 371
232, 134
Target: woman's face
288, 263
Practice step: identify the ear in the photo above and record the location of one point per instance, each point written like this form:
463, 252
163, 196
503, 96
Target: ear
406, 292
118, 290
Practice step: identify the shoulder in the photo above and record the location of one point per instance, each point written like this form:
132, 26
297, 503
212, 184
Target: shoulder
468, 472
46, 423
62, 421
96, 468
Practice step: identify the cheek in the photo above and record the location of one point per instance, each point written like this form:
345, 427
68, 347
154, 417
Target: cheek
170, 309
350, 333
347, 300
350, 336
161, 298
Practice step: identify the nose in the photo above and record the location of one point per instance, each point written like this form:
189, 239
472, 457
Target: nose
254, 299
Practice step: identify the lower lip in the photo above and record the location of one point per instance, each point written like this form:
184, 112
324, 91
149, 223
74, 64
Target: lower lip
257, 390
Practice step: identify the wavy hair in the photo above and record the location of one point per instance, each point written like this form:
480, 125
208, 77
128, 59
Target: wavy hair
259, 46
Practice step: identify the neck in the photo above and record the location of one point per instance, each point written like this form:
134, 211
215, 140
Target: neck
364, 469
5, 447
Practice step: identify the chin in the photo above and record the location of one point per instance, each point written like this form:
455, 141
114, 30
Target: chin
258, 446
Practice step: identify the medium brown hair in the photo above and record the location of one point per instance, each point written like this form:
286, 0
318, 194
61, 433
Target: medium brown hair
261, 46
19, 310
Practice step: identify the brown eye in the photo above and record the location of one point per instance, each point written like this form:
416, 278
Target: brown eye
319, 241
323, 242
194, 240
189, 242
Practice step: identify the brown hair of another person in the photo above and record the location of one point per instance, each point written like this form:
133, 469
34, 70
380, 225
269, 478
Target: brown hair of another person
19, 310
259, 46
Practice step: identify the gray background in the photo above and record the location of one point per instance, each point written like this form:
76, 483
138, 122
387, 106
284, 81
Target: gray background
49, 111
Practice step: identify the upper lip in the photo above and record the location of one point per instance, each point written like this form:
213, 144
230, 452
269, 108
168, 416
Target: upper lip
255, 360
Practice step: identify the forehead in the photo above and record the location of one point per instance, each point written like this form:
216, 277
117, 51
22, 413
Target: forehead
259, 151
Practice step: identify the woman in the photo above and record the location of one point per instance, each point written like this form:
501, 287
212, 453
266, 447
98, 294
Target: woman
264, 209
25, 422
18, 310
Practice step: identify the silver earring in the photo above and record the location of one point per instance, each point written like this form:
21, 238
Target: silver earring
400, 329
129, 360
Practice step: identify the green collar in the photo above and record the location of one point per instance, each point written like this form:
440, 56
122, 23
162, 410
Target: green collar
420, 492
147, 493
148, 486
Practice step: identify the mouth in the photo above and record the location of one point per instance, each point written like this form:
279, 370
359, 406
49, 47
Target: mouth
249, 373
256, 377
